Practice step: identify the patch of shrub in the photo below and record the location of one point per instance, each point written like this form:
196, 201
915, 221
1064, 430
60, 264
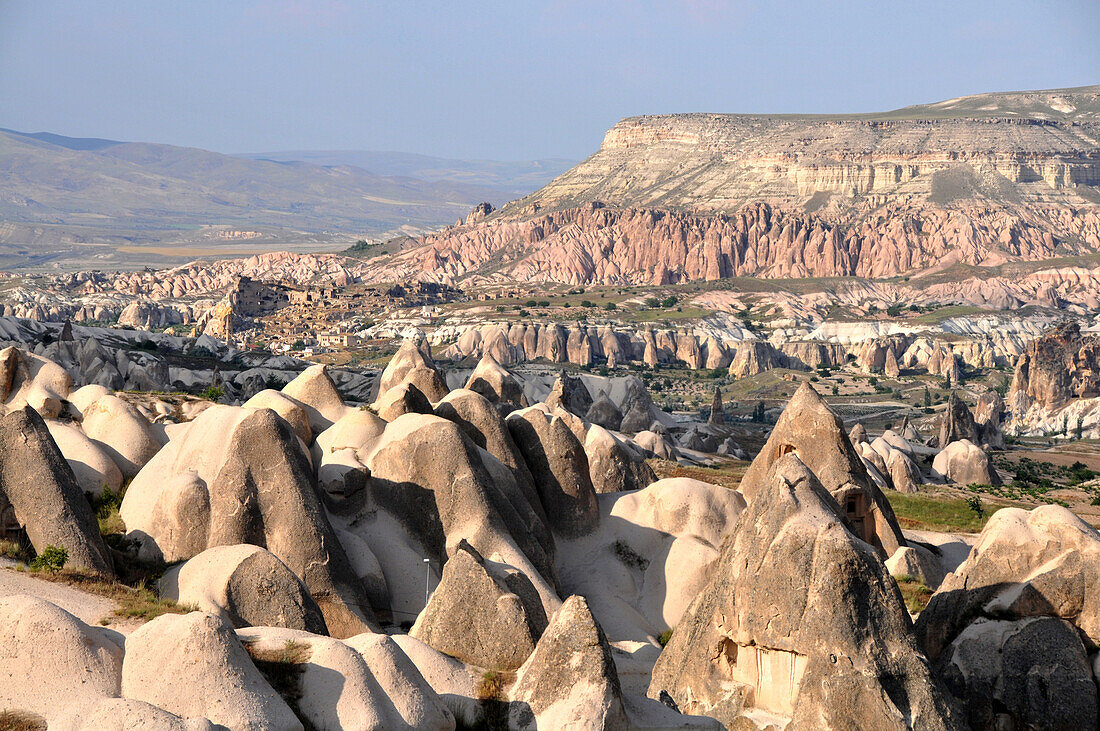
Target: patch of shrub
213, 393
51, 559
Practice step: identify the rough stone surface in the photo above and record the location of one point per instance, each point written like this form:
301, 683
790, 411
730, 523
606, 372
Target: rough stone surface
570, 681
241, 476
39, 488
957, 423
124, 433
965, 463
570, 393
246, 586
194, 665
614, 466
483, 613
411, 364
493, 382
808, 427
560, 469
51, 663
800, 620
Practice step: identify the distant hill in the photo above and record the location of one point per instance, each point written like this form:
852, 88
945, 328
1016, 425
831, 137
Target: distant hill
111, 201
514, 179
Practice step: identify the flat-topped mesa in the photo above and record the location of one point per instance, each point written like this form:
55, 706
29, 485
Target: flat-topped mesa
675, 198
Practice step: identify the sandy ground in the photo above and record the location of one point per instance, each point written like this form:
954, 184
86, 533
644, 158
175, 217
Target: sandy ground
89, 608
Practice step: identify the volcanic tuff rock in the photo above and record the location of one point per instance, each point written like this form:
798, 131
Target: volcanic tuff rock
39, 493
677, 198
1011, 628
809, 428
1060, 366
483, 612
774, 637
570, 680
241, 476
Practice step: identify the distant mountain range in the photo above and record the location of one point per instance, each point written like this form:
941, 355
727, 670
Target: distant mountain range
110, 203
514, 179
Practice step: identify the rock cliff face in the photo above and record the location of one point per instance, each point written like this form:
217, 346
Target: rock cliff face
704, 196
1060, 366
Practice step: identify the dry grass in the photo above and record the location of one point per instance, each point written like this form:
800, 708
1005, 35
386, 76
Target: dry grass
491, 686
728, 475
21, 721
283, 668
134, 602
915, 594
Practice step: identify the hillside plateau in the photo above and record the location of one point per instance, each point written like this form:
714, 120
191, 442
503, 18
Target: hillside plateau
977, 181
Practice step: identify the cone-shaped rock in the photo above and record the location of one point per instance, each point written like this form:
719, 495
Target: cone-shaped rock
799, 623
241, 476
484, 613
809, 427
492, 381
570, 680
39, 493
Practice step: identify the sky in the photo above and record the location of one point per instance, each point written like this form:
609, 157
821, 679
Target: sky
513, 80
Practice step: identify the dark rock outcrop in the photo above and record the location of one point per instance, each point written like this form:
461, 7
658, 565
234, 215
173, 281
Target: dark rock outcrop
40, 495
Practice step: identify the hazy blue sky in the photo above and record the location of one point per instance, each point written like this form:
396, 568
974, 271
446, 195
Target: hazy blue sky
504, 80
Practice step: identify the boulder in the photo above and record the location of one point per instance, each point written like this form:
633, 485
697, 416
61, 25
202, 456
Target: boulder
800, 624
1012, 630
614, 466
916, 562
410, 364
85, 396
39, 492
125, 434
569, 681
656, 444
341, 450
93, 468
810, 428
53, 665
560, 469
483, 612
571, 394
194, 665
604, 413
965, 463
246, 586
442, 488
124, 714
1032, 673
404, 398
492, 381
242, 476
1042, 563
314, 390
858, 434
483, 425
